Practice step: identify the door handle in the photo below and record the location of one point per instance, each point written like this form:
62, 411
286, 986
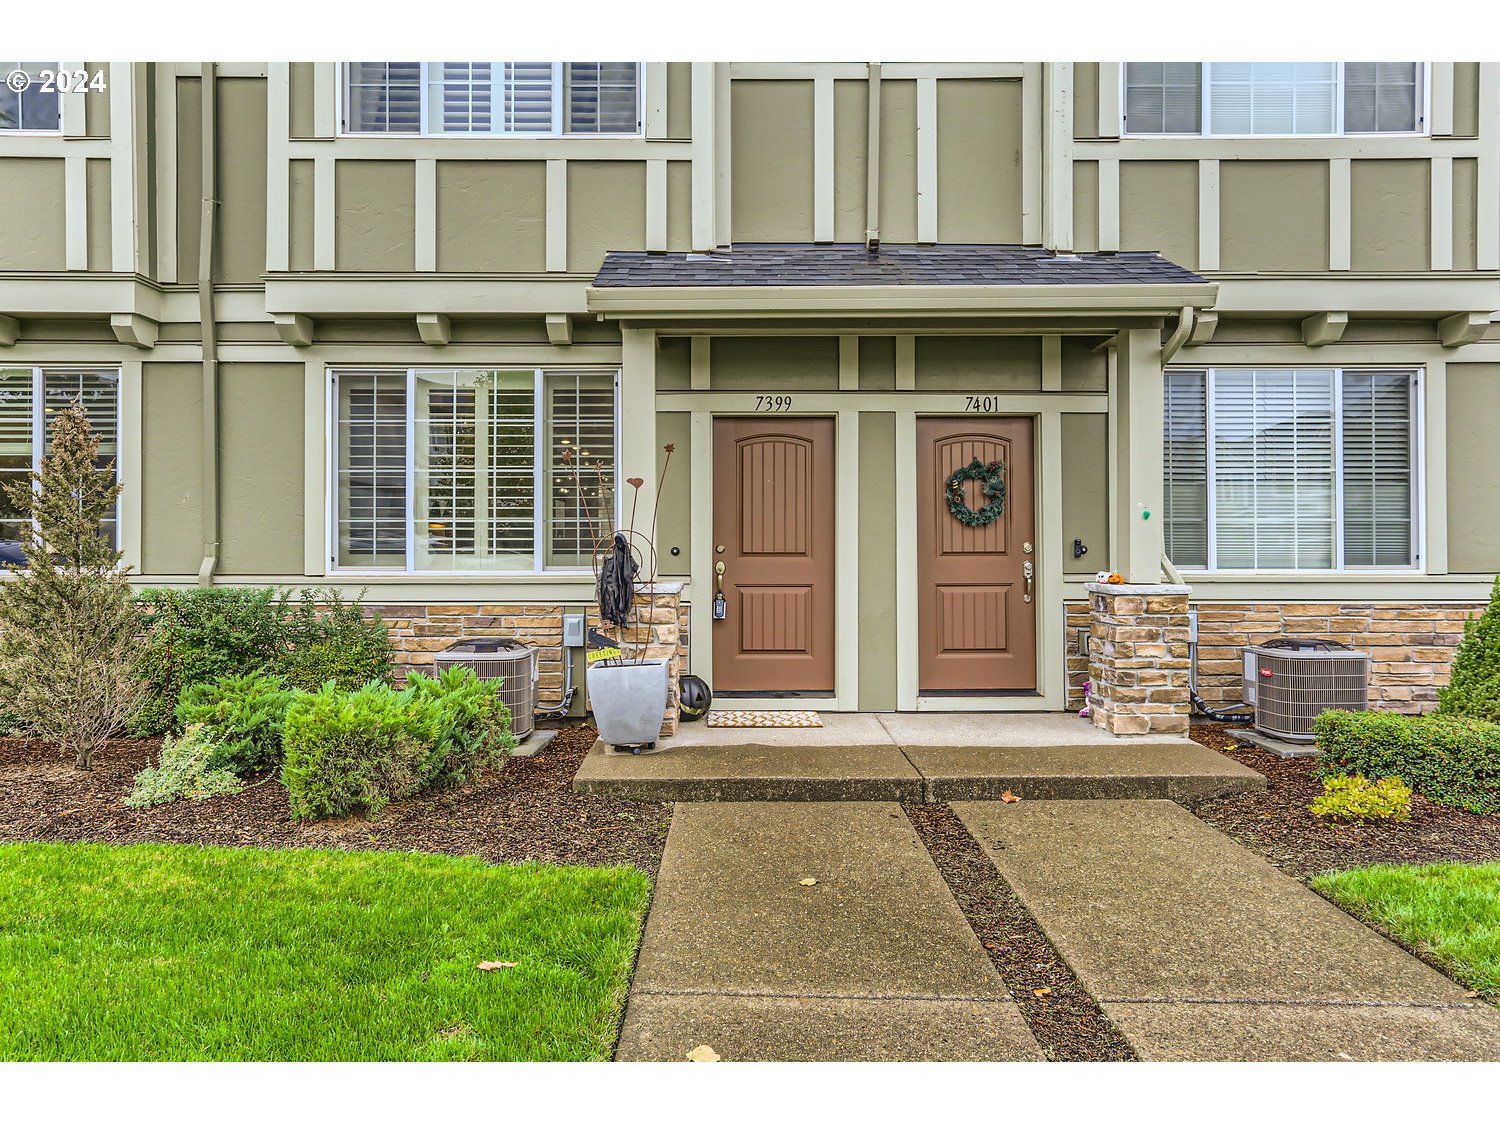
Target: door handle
1028, 571
721, 605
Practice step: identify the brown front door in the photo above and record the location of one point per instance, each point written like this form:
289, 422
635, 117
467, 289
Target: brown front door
773, 533
976, 629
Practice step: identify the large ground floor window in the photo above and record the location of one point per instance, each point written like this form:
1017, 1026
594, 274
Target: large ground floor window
472, 469
29, 399
1291, 468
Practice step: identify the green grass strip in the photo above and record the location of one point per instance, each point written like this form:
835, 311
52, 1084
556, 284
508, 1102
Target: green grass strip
1448, 910
163, 952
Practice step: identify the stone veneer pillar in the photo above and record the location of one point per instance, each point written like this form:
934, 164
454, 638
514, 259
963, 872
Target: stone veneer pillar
657, 627
1138, 658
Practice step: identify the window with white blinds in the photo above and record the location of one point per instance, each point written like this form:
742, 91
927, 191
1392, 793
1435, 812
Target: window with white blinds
1290, 469
538, 99
34, 109
470, 469
30, 397
1273, 98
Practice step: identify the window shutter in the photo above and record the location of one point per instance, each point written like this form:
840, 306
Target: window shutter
16, 422
1273, 469
1186, 460
1163, 97
1376, 432
383, 97
581, 410
459, 97
603, 97
528, 97
371, 473
1380, 97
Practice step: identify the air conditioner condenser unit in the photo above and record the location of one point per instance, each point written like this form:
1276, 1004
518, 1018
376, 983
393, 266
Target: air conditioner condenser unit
1290, 681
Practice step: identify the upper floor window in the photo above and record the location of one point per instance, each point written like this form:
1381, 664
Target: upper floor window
29, 399
31, 109
532, 99
1273, 98
1291, 468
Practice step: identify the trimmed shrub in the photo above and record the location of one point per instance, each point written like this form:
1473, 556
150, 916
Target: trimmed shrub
201, 635
185, 768
1452, 761
1352, 797
328, 638
352, 752
244, 716
1473, 690
473, 722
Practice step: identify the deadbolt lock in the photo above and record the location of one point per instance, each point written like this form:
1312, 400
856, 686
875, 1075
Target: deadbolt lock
719, 550
1026, 547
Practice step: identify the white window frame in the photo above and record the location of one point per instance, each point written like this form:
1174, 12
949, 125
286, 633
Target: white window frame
39, 418
1418, 465
62, 116
541, 421
497, 114
1205, 128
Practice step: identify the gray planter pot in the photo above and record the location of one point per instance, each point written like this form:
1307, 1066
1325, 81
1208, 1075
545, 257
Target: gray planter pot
629, 701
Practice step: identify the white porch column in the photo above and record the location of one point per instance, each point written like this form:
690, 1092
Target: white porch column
637, 426
1139, 491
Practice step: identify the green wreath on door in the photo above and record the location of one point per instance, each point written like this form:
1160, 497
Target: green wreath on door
991, 479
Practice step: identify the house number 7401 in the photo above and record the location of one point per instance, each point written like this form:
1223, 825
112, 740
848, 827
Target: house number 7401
773, 403
982, 404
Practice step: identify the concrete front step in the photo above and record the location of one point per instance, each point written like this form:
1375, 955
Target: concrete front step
912, 758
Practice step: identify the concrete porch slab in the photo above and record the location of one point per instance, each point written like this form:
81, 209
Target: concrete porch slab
930, 756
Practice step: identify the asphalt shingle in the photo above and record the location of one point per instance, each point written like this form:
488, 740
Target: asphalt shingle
804, 264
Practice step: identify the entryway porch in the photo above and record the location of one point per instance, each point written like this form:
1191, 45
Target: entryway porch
867, 756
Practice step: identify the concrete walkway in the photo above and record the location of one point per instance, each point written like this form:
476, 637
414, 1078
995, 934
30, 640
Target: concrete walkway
1197, 948
1194, 947
923, 757
874, 961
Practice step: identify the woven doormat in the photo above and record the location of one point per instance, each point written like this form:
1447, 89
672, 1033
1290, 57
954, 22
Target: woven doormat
764, 719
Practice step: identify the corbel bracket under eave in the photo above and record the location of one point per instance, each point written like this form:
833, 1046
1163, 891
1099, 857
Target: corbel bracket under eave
134, 329
1324, 328
1204, 326
560, 329
294, 328
10, 331
435, 329
1463, 328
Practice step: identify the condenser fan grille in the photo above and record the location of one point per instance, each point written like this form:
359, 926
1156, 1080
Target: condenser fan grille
1291, 682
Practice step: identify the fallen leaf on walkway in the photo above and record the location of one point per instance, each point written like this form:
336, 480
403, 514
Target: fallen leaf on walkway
809, 882
1041, 992
703, 1053
1009, 798
1472, 993
491, 966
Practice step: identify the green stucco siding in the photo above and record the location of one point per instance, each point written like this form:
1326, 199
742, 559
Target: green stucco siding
1389, 221
979, 160
1473, 488
261, 468
771, 164
1085, 486
673, 524
32, 232
172, 472
492, 216
877, 562
376, 201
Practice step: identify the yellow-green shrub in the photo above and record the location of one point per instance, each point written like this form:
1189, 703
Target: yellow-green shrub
1355, 797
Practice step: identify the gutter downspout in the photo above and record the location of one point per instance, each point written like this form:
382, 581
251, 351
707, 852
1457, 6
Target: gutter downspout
872, 163
209, 327
1179, 334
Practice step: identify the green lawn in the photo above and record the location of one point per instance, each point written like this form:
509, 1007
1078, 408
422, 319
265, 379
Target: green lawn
226, 953
1450, 910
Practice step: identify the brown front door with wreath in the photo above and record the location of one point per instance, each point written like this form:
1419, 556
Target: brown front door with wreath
976, 542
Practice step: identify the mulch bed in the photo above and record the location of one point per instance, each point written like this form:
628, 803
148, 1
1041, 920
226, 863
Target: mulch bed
523, 811
1276, 823
1064, 1018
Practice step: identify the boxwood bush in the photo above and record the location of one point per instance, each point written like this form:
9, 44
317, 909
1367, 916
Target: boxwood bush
356, 751
203, 635
1453, 761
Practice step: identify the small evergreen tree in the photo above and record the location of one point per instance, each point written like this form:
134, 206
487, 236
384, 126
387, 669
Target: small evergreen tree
70, 632
1474, 689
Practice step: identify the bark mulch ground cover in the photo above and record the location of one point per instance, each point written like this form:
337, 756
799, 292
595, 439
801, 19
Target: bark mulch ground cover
1276, 822
1064, 1018
523, 811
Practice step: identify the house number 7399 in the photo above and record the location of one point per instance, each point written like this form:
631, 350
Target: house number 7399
773, 403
